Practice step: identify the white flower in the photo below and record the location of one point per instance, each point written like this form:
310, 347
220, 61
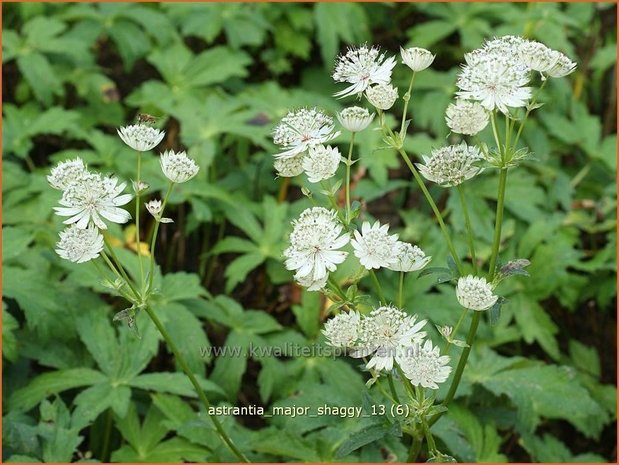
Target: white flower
562, 67
537, 56
140, 137
464, 117
91, 197
321, 163
79, 245
177, 166
451, 165
312, 284
416, 58
139, 186
374, 247
155, 208
355, 119
382, 96
289, 167
361, 67
301, 129
495, 76
314, 244
385, 333
66, 172
343, 330
424, 365
475, 293
408, 257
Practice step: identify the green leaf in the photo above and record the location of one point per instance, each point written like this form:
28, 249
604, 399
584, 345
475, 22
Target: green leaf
216, 65
47, 384
339, 21
41, 76
180, 286
358, 439
284, 444
585, 358
238, 269
173, 383
535, 324
96, 332
132, 44
9, 339
91, 402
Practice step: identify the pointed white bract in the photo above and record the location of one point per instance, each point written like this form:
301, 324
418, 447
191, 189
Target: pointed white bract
79, 245
416, 58
451, 165
374, 247
382, 96
355, 119
475, 293
289, 167
408, 258
301, 129
385, 334
361, 67
321, 163
93, 198
177, 166
66, 172
424, 365
141, 137
466, 117
314, 246
562, 67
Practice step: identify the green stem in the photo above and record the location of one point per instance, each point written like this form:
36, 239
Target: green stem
526, 115
348, 165
137, 219
394, 393
379, 289
407, 97
495, 131
153, 240
401, 290
181, 361
413, 452
435, 209
105, 450
119, 270
429, 437
469, 229
496, 242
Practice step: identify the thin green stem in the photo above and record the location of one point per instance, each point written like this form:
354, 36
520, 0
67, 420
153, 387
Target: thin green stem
401, 290
454, 332
153, 240
119, 270
394, 393
429, 437
183, 364
526, 115
496, 242
413, 452
497, 139
469, 229
348, 166
407, 97
137, 218
107, 433
103, 275
379, 289
435, 209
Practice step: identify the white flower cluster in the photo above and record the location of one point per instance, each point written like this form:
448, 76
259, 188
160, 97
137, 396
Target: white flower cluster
361, 67
177, 166
314, 247
388, 335
451, 165
475, 293
496, 75
141, 137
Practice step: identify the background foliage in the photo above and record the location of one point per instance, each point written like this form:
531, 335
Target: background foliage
540, 382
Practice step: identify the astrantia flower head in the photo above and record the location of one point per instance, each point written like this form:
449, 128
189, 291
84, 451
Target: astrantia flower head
289, 167
321, 162
66, 172
301, 129
361, 67
382, 96
451, 165
92, 197
79, 245
343, 330
408, 257
424, 365
385, 333
312, 284
314, 245
537, 56
355, 119
374, 247
562, 67
141, 137
494, 76
155, 208
416, 58
177, 166
464, 117
475, 293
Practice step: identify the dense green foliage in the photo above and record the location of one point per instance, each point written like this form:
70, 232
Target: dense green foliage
540, 383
